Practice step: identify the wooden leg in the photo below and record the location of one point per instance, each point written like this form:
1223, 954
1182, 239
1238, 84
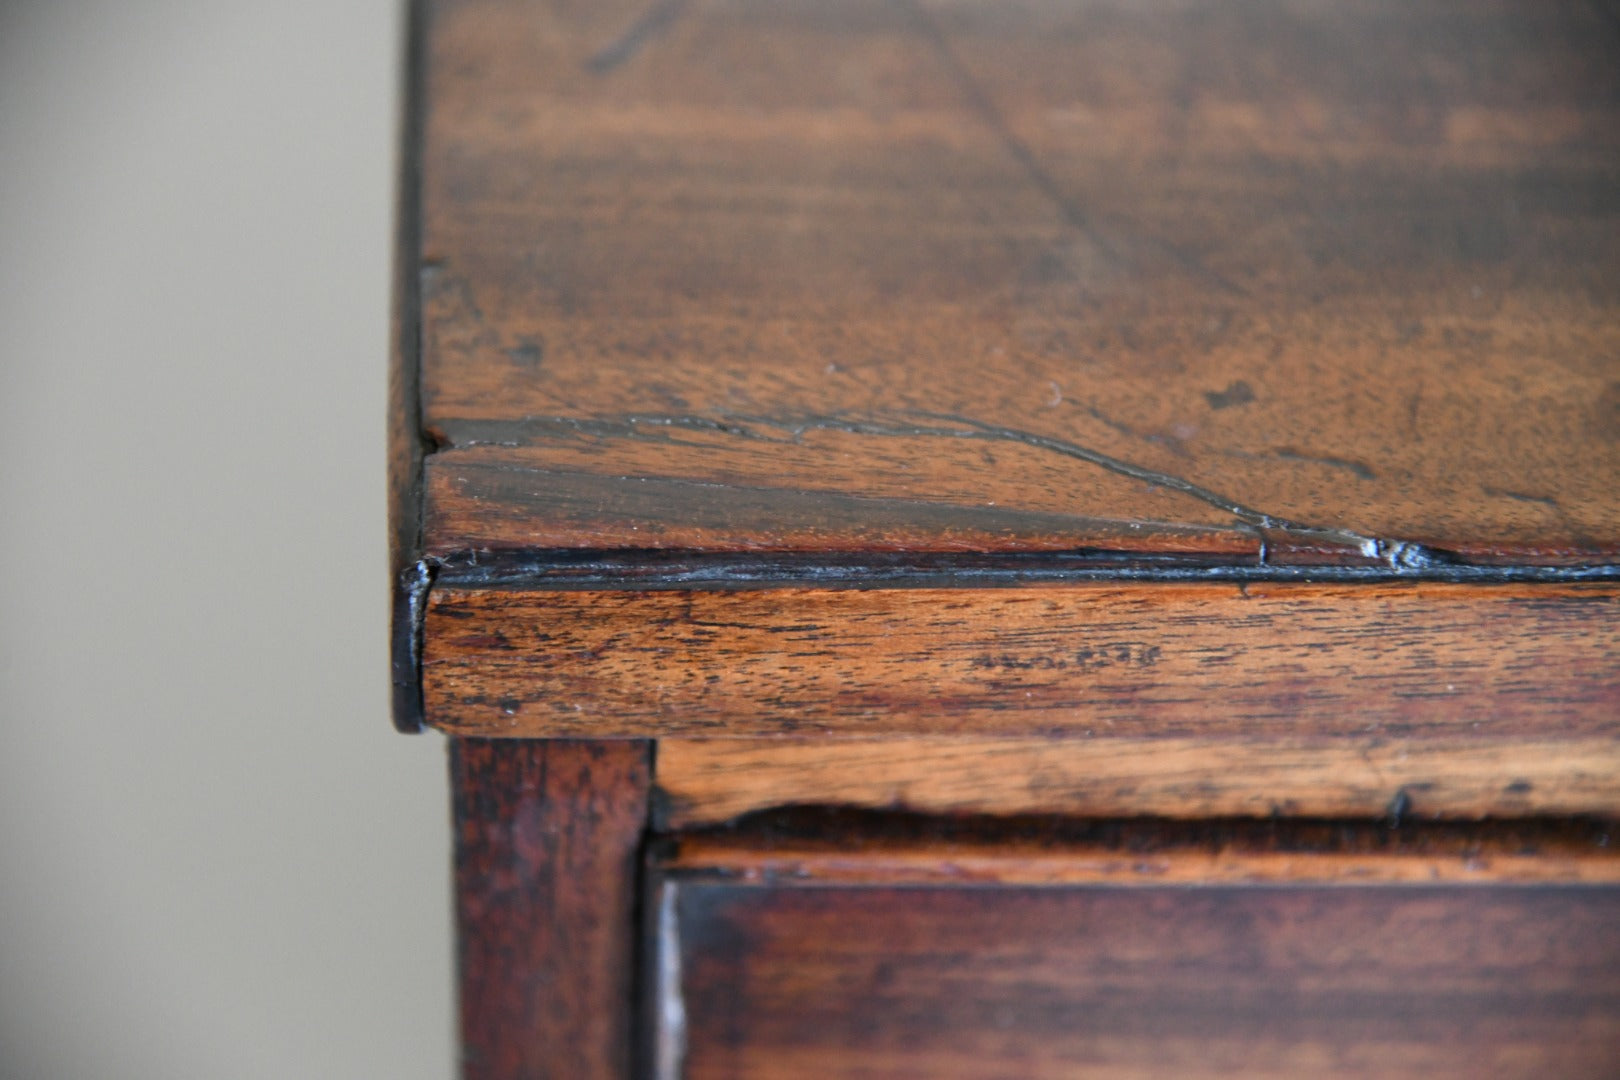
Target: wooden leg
547, 838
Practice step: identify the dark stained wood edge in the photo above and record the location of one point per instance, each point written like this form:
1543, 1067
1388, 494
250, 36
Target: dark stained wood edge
663, 569
410, 575
548, 858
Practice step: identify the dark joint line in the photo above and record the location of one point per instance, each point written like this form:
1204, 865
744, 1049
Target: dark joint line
839, 826
567, 570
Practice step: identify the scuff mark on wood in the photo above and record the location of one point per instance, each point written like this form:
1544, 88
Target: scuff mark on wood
1237, 393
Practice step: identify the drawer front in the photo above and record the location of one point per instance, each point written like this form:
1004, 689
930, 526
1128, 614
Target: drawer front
782, 980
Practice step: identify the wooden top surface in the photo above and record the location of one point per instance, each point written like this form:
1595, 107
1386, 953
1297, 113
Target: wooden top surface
936, 292
1275, 282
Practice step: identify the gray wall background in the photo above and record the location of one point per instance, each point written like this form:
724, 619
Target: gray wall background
216, 859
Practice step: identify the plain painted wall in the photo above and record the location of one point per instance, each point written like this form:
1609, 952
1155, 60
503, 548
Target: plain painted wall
216, 858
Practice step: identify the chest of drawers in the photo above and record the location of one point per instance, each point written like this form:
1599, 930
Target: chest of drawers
1018, 539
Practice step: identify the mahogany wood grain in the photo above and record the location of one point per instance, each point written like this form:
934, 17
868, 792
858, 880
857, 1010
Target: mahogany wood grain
703, 781
1521, 662
1253, 282
782, 980
547, 850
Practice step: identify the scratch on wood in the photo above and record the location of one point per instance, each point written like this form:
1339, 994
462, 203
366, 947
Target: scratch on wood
654, 21
992, 117
980, 101
1520, 496
1347, 464
1169, 442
